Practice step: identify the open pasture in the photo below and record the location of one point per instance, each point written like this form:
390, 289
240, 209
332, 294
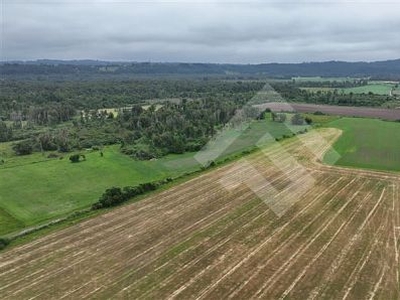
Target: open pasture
320, 79
36, 189
376, 88
218, 237
367, 143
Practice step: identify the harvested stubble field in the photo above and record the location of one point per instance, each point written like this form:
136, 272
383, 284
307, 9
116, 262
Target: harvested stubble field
213, 238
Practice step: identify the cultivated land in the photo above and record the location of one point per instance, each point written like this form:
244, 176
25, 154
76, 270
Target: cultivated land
367, 143
349, 111
61, 187
276, 224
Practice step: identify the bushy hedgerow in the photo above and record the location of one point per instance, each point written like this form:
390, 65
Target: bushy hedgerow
115, 195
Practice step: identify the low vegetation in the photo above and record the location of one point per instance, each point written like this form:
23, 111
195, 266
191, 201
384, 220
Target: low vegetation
366, 143
115, 196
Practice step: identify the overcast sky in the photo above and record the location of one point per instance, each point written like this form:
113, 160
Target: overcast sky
201, 31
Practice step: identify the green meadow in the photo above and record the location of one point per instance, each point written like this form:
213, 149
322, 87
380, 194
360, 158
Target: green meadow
366, 143
320, 79
378, 88
38, 189
35, 189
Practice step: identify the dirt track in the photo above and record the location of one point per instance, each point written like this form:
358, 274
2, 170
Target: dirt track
349, 111
276, 224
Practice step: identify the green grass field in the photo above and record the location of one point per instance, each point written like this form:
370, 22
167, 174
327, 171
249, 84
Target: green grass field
320, 119
377, 88
380, 89
232, 141
367, 143
320, 79
317, 89
35, 189
261, 133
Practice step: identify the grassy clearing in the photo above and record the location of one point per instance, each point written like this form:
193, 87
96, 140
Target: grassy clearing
320, 79
367, 143
317, 89
236, 140
321, 119
36, 189
60, 186
262, 132
381, 89
8, 223
376, 88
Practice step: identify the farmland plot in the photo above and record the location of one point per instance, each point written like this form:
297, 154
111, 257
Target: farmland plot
276, 224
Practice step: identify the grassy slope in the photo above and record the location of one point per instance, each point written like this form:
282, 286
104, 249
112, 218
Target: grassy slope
367, 143
261, 132
34, 189
8, 223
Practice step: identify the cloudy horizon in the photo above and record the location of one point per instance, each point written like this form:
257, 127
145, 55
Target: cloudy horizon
193, 31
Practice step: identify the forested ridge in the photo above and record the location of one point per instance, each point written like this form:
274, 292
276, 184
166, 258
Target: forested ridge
89, 69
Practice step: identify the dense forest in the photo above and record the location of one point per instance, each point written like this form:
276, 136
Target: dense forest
50, 116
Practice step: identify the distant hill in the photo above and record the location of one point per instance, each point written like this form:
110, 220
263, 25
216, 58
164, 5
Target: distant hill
389, 69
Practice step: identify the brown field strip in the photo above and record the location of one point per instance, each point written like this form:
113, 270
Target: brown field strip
274, 225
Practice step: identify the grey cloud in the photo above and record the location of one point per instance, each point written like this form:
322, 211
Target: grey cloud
215, 31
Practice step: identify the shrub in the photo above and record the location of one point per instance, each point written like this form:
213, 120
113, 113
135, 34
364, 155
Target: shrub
297, 119
115, 195
111, 197
319, 113
3, 243
23, 148
74, 158
308, 120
